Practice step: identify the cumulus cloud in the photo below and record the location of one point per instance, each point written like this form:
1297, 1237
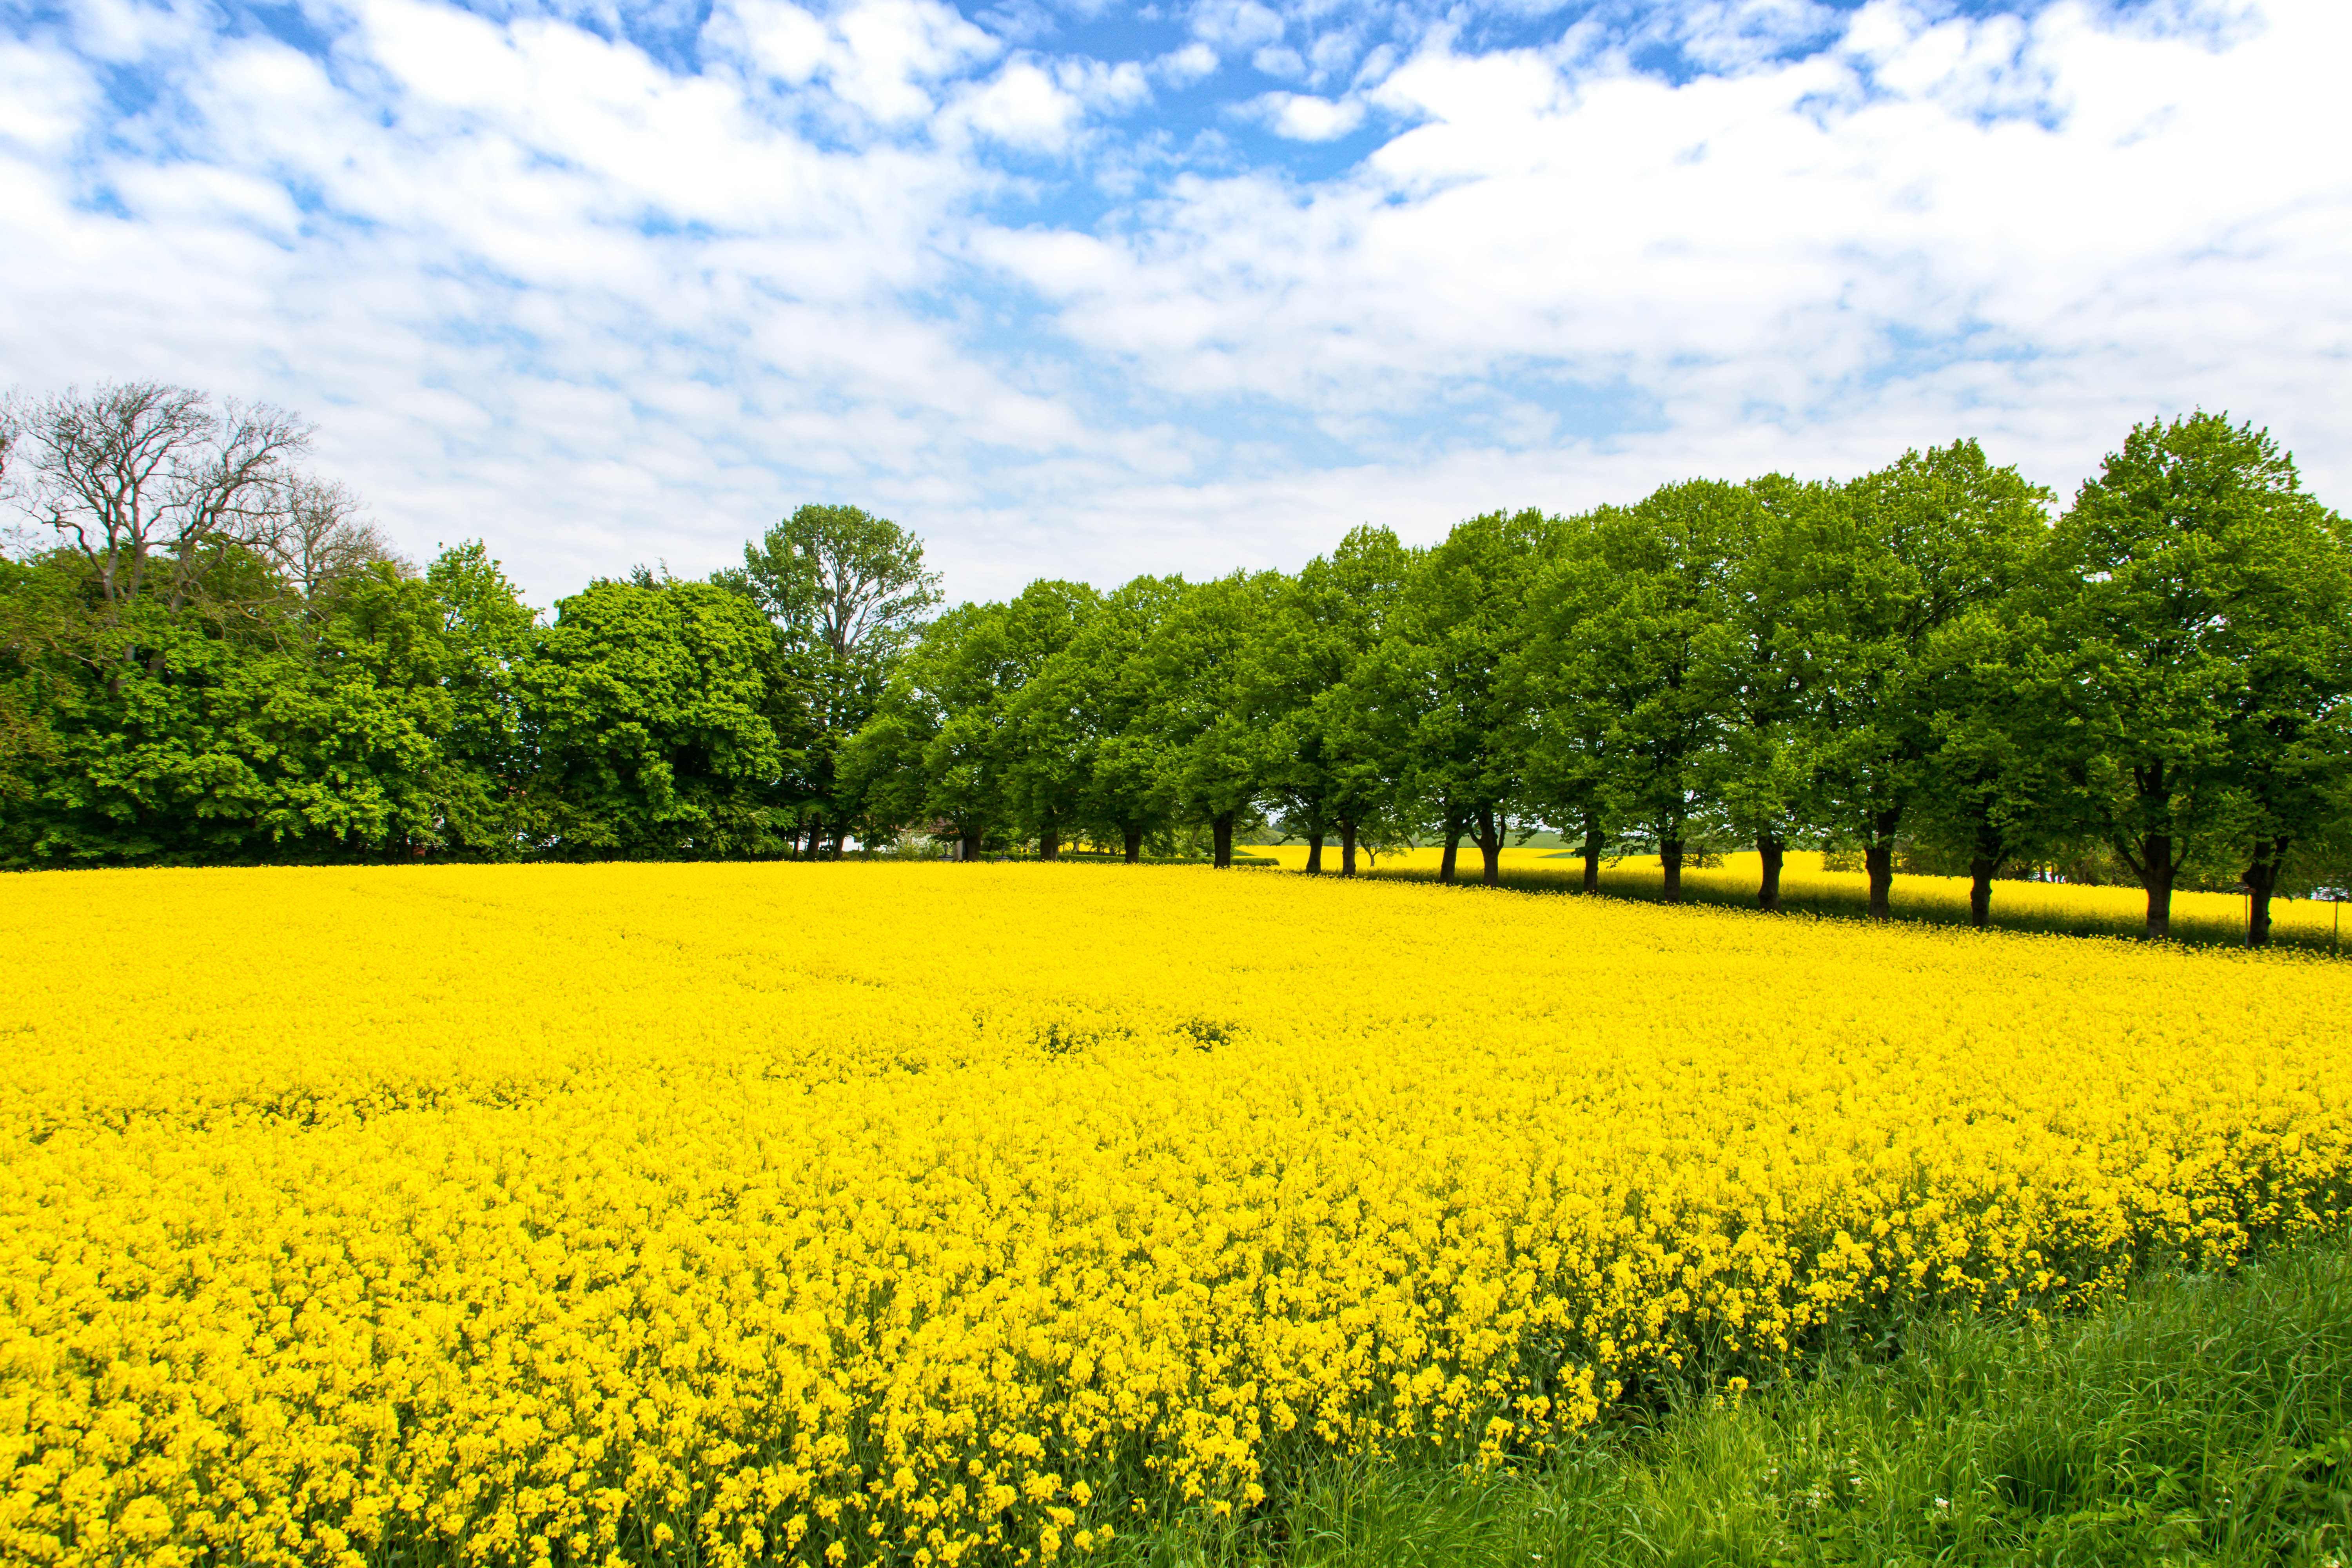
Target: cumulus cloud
1775, 246
598, 305
1302, 117
1186, 65
1236, 26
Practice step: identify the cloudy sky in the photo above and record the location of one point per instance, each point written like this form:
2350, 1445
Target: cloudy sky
1073, 288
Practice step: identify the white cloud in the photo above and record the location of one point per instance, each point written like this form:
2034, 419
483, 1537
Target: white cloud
1233, 25
45, 102
538, 286
1748, 257
1182, 67
1023, 105
882, 58
781, 39
1103, 88
1275, 61
1331, 53
1305, 117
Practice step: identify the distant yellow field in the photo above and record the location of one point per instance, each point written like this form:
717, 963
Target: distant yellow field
976, 1213
2032, 905
1294, 858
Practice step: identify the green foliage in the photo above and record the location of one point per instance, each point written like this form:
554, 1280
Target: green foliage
652, 710
1450, 681
1208, 758
964, 737
1316, 687
2198, 1420
1913, 548
1100, 691
1624, 637
845, 592
1761, 670
362, 727
1046, 770
2200, 605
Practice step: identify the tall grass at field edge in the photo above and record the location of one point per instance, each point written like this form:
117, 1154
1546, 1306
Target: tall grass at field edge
2198, 1419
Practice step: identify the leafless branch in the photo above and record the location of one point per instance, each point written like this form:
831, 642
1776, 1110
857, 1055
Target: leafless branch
315, 536
132, 471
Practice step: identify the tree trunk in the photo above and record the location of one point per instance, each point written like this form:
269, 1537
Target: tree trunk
1222, 830
2261, 882
1049, 841
1980, 869
1314, 854
1591, 855
816, 838
1670, 859
1134, 844
1490, 848
1878, 860
1772, 852
972, 846
1347, 847
2157, 868
1878, 856
840, 834
1452, 848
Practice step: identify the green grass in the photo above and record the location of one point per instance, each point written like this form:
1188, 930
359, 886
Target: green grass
2197, 1420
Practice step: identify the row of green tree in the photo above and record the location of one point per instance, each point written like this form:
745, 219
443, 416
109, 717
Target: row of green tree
206, 656
1921, 659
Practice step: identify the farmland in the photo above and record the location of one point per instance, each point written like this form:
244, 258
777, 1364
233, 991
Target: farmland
929, 1213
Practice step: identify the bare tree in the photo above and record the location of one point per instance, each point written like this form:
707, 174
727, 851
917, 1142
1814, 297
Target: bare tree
134, 471
312, 531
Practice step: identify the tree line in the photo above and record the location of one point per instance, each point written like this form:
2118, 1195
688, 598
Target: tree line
209, 656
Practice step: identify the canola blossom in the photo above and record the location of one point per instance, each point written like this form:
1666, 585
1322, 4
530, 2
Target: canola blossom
937, 1214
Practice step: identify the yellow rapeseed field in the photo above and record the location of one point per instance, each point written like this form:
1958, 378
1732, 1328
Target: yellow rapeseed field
2119, 910
946, 1213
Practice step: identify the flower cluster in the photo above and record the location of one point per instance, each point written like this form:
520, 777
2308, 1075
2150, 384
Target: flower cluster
959, 1214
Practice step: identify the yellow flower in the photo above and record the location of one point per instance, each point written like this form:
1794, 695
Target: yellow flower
512, 1212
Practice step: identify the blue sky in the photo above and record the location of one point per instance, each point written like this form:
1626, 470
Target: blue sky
1087, 289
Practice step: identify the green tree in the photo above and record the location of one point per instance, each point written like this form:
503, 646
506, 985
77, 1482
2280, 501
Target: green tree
1042, 732
1099, 691
2204, 607
845, 591
1917, 545
1627, 642
1449, 672
1212, 761
1755, 671
651, 713
1567, 748
1994, 786
253, 726
1315, 690
485, 634
940, 750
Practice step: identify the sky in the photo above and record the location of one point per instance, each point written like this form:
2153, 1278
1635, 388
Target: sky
1077, 290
